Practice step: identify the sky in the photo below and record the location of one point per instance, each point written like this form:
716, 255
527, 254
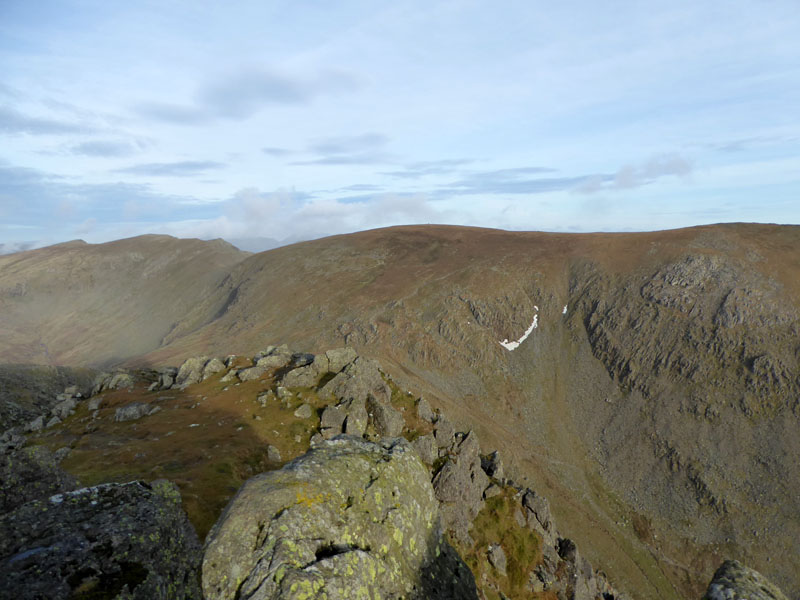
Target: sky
267, 122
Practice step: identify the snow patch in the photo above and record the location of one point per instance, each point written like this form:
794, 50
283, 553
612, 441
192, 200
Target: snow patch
514, 345
563, 312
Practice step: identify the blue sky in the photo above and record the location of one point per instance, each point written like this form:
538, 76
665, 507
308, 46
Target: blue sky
293, 120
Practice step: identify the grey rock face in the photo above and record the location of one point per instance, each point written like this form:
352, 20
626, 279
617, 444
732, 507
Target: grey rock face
191, 371
734, 581
133, 411
497, 558
36, 425
425, 446
388, 422
28, 391
339, 358
444, 432
308, 375
304, 411
127, 540
273, 454
424, 411
332, 421
493, 465
459, 485
28, 474
65, 408
350, 519
112, 381
358, 381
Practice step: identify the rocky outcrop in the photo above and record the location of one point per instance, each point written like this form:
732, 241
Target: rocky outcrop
350, 519
734, 581
30, 391
134, 411
113, 381
28, 474
460, 485
128, 540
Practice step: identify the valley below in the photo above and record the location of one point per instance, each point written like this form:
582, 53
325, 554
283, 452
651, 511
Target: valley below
646, 384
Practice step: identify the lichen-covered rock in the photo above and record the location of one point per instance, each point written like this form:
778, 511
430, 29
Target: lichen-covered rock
28, 474
212, 367
339, 358
332, 421
350, 519
129, 541
191, 371
358, 381
734, 581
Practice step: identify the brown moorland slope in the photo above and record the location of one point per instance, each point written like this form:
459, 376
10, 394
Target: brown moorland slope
656, 401
86, 304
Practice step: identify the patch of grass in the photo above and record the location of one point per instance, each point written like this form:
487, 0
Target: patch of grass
406, 403
496, 524
208, 439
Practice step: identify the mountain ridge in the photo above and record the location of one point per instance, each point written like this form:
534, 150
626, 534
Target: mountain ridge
647, 423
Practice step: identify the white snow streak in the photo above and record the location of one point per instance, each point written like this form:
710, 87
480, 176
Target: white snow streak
563, 312
514, 345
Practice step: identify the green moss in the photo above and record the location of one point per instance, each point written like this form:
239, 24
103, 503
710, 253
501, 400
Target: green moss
495, 524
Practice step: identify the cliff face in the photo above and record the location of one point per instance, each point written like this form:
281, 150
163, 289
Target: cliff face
659, 384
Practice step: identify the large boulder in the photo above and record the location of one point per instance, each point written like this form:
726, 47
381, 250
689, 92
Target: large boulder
349, 519
734, 581
29, 474
359, 380
191, 371
128, 540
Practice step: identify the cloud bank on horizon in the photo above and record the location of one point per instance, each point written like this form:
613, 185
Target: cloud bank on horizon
276, 121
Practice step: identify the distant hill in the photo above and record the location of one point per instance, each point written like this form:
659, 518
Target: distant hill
656, 401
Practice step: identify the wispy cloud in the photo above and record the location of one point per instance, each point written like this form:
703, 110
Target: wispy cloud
515, 180
243, 93
635, 176
184, 168
173, 113
434, 167
103, 148
14, 122
363, 149
276, 152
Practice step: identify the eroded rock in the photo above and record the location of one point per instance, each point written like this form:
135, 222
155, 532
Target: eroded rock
128, 540
350, 519
734, 581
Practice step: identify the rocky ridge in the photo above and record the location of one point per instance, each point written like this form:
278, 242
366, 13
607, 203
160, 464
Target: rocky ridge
440, 478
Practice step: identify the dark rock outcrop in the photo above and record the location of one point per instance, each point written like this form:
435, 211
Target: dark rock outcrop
128, 540
28, 474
